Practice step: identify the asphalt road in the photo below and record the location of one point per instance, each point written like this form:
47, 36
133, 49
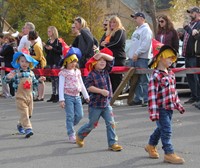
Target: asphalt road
49, 147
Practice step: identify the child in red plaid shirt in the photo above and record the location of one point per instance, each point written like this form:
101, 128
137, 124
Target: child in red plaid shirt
163, 99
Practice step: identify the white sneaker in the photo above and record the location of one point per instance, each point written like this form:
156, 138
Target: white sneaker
72, 139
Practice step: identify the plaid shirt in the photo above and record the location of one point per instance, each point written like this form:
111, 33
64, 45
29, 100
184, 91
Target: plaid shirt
22, 74
101, 80
162, 93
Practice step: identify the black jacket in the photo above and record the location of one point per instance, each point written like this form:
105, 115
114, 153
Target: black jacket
117, 46
53, 56
197, 44
190, 47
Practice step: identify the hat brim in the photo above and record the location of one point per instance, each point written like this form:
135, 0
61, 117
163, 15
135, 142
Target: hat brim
164, 47
30, 59
89, 62
72, 50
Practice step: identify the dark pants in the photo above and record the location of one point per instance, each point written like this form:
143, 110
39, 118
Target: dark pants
117, 78
193, 79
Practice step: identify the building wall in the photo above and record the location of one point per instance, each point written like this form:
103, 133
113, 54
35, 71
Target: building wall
124, 8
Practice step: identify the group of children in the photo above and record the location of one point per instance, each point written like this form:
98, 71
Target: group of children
163, 98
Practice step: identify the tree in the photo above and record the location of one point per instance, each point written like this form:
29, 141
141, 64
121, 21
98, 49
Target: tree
53, 13
178, 9
149, 7
3, 13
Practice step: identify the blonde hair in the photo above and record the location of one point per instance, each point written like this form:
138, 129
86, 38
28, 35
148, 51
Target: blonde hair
118, 25
54, 31
81, 21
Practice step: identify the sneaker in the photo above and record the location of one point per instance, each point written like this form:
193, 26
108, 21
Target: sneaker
20, 129
115, 148
79, 141
72, 139
133, 103
173, 158
28, 133
145, 104
37, 99
190, 101
153, 153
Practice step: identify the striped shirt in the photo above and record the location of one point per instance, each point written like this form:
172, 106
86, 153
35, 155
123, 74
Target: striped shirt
162, 93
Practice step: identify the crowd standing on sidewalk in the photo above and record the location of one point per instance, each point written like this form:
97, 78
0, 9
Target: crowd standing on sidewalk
98, 87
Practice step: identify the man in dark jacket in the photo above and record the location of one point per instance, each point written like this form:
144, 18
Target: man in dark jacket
189, 53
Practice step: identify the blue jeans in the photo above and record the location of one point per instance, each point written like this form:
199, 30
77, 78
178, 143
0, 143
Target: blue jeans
163, 131
193, 80
141, 90
74, 112
94, 115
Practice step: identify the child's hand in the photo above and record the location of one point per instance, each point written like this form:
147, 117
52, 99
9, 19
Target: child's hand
182, 111
105, 92
11, 75
62, 104
97, 56
87, 100
42, 79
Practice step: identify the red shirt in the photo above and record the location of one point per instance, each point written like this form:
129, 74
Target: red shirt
162, 93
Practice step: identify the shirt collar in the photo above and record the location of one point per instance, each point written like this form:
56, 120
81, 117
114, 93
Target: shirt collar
21, 70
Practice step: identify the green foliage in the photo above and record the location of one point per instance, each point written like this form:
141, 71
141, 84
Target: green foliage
179, 7
162, 4
58, 13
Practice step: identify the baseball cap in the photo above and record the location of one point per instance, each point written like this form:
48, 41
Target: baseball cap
193, 9
138, 14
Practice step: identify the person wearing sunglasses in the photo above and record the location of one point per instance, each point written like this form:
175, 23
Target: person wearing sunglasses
189, 53
166, 33
106, 35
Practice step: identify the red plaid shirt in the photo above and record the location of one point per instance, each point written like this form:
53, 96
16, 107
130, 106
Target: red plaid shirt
162, 93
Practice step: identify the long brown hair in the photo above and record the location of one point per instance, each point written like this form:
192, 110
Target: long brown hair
168, 27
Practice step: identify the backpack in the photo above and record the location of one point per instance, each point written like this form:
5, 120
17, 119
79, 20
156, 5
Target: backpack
65, 47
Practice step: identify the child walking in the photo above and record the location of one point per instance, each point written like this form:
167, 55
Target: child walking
99, 86
163, 99
70, 86
24, 83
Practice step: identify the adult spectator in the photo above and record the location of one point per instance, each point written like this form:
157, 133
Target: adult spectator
139, 55
196, 34
7, 53
53, 49
37, 53
189, 53
166, 33
76, 33
106, 35
24, 42
86, 41
116, 43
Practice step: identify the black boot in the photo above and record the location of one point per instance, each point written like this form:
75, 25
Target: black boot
56, 99
52, 98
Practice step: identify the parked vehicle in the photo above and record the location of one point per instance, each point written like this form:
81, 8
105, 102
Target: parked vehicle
181, 79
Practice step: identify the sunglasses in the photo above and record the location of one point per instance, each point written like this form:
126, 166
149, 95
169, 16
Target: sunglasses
105, 24
161, 21
73, 27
